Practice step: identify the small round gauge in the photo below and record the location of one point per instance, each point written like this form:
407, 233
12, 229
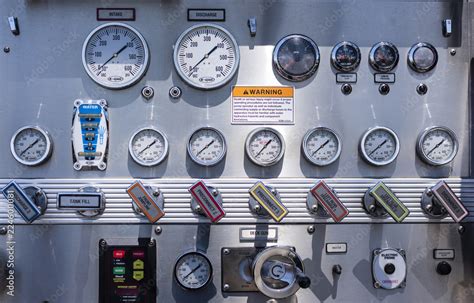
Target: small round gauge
193, 271
206, 56
296, 57
379, 146
422, 57
207, 146
265, 146
437, 145
345, 56
321, 146
31, 145
148, 147
383, 57
115, 55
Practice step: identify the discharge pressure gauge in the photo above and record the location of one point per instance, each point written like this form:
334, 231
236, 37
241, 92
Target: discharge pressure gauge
148, 147
379, 146
31, 145
321, 146
422, 57
207, 146
193, 271
265, 146
437, 145
345, 56
383, 57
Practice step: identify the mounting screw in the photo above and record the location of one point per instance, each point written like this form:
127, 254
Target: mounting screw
152, 243
377, 285
256, 208
3, 230
156, 192
310, 229
175, 92
148, 92
198, 208
103, 243
403, 284
226, 251
6, 49
429, 193
346, 89
372, 208
384, 89
274, 191
421, 89
452, 52
158, 230
215, 193
226, 287
461, 229
314, 208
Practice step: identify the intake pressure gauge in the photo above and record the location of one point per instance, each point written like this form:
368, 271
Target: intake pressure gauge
296, 57
437, 145
379, 146
321, 146
115, 55
265, 146
383, 57
207, 146
31, 145
193, 271
345, 56
148, 147
422, 57
206, 56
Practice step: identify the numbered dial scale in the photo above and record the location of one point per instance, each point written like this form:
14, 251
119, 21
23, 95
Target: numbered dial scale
265, 146
148, 147
207, 146
321, 146
345, 56
206, 56
437, 145
31, 145
383, 57
193, 271
115, 55
379, 146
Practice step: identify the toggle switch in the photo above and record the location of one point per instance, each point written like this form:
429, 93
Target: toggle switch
206, 201
440, 200
30, 202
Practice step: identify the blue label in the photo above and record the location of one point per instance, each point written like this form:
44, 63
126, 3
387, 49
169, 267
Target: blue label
22, 203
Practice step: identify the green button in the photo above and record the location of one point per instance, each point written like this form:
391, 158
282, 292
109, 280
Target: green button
119, 270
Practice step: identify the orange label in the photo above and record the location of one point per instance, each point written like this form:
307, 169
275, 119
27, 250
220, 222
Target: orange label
263, 91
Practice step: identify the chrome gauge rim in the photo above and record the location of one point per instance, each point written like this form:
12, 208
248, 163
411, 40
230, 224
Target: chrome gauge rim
216, 160
44, 157
366, 156
308, 154
339, 66
160, 158
425, 157
248, 141
373, 61
412, 60
202, 257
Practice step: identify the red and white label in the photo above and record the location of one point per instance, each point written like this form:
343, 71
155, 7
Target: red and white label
206, 200
331, 203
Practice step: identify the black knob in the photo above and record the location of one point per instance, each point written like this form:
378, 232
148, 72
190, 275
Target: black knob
303, 280
443, 268
389, 268
384, 89
346, 89
337, 269
422, 89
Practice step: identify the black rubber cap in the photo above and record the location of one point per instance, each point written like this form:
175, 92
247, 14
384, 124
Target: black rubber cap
303, 281
443, 268
389, 269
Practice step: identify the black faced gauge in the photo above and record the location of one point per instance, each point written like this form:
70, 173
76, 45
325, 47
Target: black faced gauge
31, 145
383, 57
207, 146
265, 146
321, 146
379, 146
422, 57
345, 56
193, 271
437, 145
296, 57
148, 147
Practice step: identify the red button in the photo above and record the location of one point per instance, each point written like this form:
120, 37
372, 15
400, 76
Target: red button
119, 254
138, 254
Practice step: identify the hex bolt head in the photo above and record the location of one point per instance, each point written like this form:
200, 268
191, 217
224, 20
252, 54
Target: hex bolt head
148, 92
175, 92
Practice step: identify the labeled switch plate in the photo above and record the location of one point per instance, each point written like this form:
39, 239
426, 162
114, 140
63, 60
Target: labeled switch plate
328, 199
23, 202
275, 208
387, 199
445, 195
145, 202
207, 200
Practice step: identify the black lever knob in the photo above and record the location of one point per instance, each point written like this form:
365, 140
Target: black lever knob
443, 268
303, 280
337, 269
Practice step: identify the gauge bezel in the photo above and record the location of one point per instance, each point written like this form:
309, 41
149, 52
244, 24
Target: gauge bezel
188, 254
366, 157
218, 159
137, 77
374, 64
411, 57
425, 158
249, 154
290, 77
307, 154
334, 62
157, 161
206, 86
49, 146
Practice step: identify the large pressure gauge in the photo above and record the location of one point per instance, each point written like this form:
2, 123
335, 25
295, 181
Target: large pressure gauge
206, 56
422, 57
345, 56
383, 57
296, 57
321, 146
265, 146
115, 55
437, 145
148, 147
31, 145
207, 146
379, 146
193, 271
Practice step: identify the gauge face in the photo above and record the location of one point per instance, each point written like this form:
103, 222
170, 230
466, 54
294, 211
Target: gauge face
379, 146
321, 146
115, 55
345, 56
31, 145
437, 145
206, 56
422, 57
383, 57
193, 271
265, 146
296, 57
207, 146
148, 147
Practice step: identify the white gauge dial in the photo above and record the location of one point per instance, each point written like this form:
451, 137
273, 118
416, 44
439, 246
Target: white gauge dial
379, 146
265, 146
115, 55
321, 146
148, 147
193, 271
437, 145
207, 146
31, 145
206, 56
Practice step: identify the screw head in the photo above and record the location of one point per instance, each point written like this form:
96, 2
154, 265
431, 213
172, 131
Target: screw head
103, 243
175, 92
6, 49
226, 287
346, 89
311, 229
372, 208
215, 193
384, 89
377, 285
461, 229
3, 230
422, 89
452, 52
226, 251
158, 230
314, 208
156, 192
152, 243
256, 208
148, 92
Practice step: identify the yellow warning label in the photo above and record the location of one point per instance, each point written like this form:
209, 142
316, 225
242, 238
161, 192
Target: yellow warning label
263, 91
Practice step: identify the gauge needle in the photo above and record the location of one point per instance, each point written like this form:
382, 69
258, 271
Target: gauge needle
437, 145
203, 58
324, 144
147, 147
265, 146
205, 147
192, 271
113, 56
380, 145
29, 146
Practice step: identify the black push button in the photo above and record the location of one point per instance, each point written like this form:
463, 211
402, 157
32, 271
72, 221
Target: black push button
443, 268
389, 269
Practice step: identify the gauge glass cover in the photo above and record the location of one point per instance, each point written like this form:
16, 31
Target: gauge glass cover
437, 145
422, 57
148, 147
265, 146
321, 146
383, 57
207, 146
31, 145
380, 146
193, 271
345, 56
